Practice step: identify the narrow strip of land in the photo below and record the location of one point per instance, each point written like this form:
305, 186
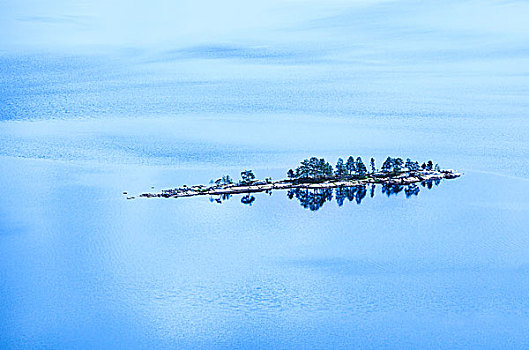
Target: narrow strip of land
393, 178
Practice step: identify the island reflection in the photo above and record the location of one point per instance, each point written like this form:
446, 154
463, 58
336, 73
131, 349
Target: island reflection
314, 199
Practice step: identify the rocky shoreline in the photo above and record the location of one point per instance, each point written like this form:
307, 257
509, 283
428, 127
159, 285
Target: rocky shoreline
395, 178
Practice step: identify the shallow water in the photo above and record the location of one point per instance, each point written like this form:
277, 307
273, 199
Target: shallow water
83, 267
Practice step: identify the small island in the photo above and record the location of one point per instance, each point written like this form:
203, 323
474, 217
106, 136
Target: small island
316, 173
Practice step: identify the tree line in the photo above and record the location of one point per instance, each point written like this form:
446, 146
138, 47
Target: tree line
319, 168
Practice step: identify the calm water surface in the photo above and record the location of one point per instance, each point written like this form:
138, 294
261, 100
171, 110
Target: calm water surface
82, 267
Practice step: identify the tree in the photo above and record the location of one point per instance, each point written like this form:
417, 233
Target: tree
313, 168
429, 165
408, 164
291, 174
324, 168
328, 169
388, 165
351, 165
373, 168
225, 180
314, 164
398, 163
437, 168
303, 170
411, 165
247, 176
340, 171
423, 166
360, 167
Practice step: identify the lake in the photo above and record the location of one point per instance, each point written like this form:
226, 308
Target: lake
83, 267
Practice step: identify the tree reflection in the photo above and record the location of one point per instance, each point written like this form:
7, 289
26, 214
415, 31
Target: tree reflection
221, 198
340, 195
391, 189
351, 193
429, 183
247, 199
411, 190
360, 194
314, 198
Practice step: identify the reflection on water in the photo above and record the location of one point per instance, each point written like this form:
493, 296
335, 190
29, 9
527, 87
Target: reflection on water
248, 199
312, 199
315, 198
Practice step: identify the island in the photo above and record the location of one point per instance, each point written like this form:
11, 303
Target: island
317, 174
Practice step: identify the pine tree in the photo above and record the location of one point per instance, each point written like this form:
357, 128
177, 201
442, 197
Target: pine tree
227, 180
327, 170
388, 164
411, 165
373, 168
360, 167
303, 171
247, 176
398, 163
340, 171
351, 165
314, 164
322, 168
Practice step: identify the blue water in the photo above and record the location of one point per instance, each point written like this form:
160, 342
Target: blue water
83, 267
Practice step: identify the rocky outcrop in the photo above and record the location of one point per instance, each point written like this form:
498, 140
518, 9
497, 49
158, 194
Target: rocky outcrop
401, 178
